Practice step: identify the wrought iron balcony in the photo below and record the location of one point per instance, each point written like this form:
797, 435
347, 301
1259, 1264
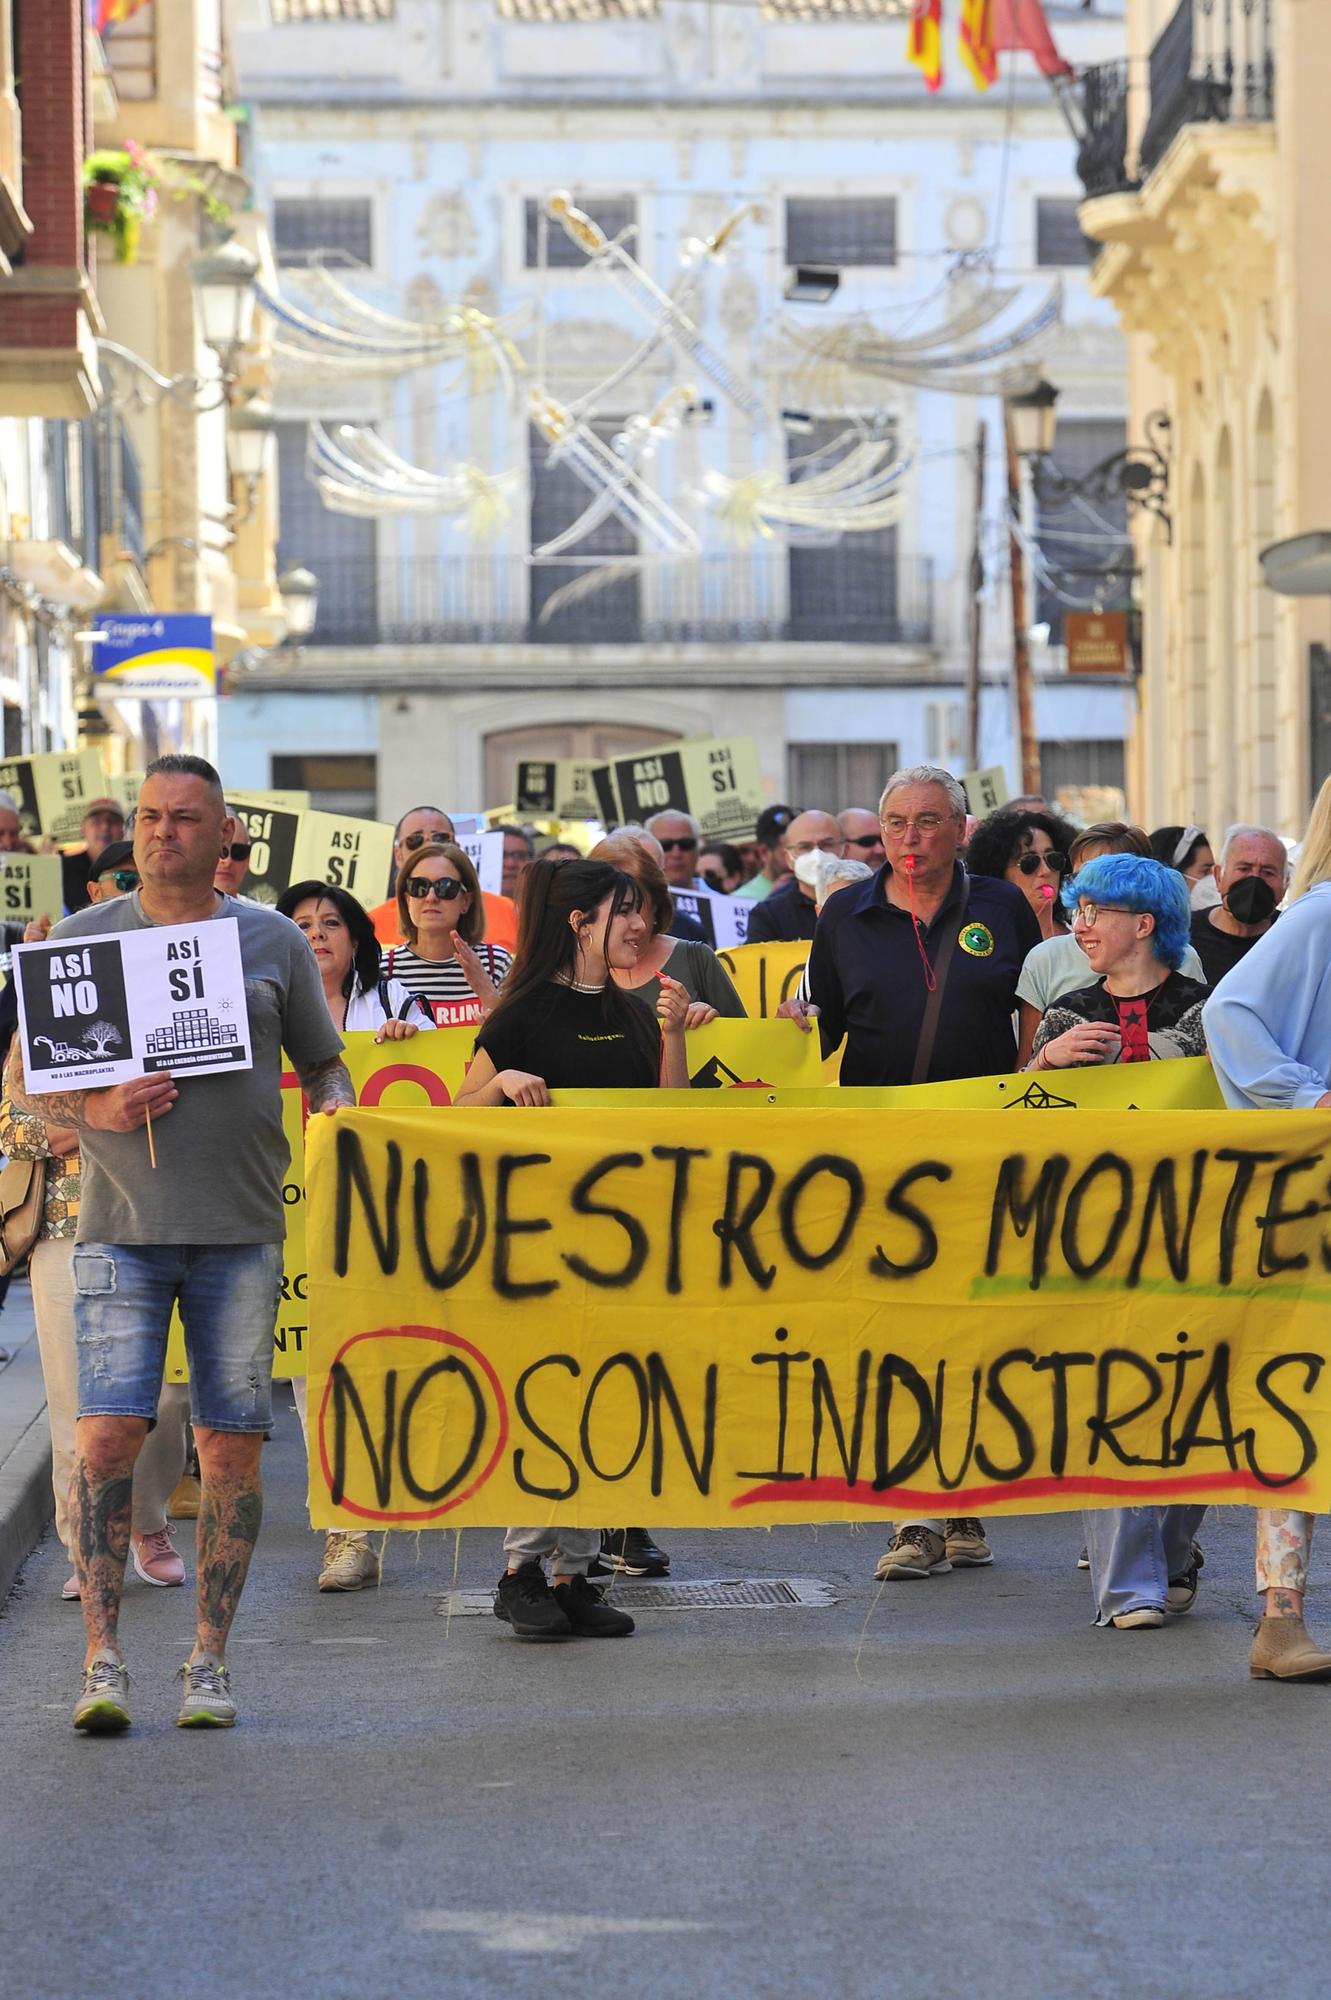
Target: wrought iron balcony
837, 594
1102, 156
1214, 62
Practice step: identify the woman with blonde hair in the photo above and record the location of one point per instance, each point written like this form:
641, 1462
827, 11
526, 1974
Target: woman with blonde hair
1268, 1030
445, 961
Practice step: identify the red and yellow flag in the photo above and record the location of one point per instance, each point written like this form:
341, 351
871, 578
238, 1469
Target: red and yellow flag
108, 12
976, 40
924, 47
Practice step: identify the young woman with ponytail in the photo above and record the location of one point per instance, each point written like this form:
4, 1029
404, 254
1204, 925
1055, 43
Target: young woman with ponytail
561, 1023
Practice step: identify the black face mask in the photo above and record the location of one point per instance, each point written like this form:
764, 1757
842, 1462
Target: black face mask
1250, 900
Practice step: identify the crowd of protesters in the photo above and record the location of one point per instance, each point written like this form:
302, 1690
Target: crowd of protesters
939, 948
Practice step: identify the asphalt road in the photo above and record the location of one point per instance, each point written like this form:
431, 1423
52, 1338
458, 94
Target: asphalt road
929, 1791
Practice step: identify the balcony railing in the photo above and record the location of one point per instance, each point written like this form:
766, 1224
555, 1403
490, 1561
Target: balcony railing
813, 596
1214, 62
1102, 156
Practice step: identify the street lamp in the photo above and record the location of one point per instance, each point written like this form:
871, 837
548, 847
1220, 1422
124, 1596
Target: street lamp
1138, 475
1299, 566
298, 589
249, 428
224, 280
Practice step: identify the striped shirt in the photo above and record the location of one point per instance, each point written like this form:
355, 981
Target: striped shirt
442, 984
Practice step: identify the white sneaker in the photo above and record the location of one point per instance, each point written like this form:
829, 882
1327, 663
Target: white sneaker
349, 1562
1143, 1619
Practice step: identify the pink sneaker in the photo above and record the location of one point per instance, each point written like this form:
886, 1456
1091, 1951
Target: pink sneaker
155, 1559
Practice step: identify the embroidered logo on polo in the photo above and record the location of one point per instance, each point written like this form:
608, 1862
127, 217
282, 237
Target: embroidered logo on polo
978, 940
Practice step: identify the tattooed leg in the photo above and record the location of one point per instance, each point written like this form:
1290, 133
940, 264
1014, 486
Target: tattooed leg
105, 1449
230, 1510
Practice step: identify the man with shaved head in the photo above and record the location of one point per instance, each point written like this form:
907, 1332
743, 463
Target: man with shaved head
789, 913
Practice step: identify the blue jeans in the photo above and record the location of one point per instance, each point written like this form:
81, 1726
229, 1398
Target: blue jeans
1134, 1551
124, 1294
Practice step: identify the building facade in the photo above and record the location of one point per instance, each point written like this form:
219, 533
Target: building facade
1206, 164
118, 490
409, 147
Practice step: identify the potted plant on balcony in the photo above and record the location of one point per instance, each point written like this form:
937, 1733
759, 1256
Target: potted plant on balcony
120, 188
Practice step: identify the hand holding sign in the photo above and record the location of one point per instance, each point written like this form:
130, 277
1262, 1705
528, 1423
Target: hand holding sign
126, 1106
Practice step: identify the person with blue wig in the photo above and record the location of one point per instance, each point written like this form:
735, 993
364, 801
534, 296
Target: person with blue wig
1131, 917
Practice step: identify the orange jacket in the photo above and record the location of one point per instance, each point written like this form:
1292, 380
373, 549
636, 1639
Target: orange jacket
501, 921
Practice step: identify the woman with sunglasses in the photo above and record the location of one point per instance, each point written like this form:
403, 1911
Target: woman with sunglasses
1132, 917
445, 960
563, 1023
1030, 850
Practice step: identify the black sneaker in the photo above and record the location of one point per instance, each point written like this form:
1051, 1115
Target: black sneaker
632, 1552
588, 1615
525, 1601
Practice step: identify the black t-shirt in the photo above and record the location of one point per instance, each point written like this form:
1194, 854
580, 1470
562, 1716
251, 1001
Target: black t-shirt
1167, 1021
1219, 951
567, 1038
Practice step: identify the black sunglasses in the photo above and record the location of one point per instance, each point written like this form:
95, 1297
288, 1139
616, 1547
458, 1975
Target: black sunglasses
239, 850
864, 840
686, 844
415, 840
446, 889
1056, 863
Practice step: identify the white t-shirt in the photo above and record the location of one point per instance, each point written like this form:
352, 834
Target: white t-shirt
1058, 965
366, 1010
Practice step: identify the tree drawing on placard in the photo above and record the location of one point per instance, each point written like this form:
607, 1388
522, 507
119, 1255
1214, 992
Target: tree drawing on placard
101, 1036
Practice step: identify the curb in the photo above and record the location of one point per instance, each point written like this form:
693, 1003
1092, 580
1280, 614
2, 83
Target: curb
26, 1501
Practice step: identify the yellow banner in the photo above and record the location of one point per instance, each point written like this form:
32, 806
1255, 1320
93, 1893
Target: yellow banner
765, 974
586, 1315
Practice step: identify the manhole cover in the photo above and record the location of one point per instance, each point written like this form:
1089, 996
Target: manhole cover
739, 1593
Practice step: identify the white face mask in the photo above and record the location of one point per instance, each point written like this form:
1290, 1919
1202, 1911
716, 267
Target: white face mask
1203, 894
806, 867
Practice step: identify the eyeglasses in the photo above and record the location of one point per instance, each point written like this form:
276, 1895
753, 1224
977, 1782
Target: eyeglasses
925, 823
1088, 914
1056, 863
864, 840
686, 844
414, 840
125, 879
446, 889
832, 845
239, 850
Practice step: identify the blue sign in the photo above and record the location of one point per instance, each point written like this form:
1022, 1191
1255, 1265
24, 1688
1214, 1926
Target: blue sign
161, 656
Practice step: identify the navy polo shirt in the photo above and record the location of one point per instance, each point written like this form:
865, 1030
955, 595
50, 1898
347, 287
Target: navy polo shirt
787, 916
866, 978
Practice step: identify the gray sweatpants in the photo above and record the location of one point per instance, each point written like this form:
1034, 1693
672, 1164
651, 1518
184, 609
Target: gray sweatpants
570, 1549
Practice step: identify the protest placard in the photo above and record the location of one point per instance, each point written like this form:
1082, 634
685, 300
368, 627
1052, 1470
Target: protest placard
764, 974
272, 833
561, 788
986, 790
485, 851
351, 854
292, 802
52, 790
30, 887
101, 1009
723, 920
715, 778
124, 788
586, 1315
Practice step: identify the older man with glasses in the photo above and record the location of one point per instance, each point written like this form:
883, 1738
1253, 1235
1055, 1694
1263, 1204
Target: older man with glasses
916, 970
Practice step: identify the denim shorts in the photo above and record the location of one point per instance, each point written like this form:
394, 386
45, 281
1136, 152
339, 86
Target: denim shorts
228, 1295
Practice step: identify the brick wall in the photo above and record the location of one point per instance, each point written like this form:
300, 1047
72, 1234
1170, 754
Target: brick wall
50, 63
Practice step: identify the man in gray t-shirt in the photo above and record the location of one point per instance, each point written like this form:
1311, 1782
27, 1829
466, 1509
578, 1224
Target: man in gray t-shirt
203, 1230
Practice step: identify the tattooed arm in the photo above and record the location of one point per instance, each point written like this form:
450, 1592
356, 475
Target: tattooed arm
327, 1085
122, 1108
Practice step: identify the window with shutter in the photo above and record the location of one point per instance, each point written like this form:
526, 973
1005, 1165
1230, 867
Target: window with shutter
1058, 239
307, 230
339, 548
1062, 528
841, 230
848, 588
612, 214
558, 496
828, 777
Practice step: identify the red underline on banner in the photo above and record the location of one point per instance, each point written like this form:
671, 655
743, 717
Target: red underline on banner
1156, 1492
